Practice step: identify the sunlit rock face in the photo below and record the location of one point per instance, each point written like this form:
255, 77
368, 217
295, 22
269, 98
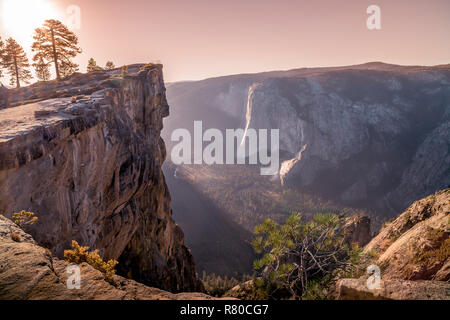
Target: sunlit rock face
88, 163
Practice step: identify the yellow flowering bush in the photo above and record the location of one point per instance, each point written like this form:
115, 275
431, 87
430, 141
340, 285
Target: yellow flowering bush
24, 218
80, 254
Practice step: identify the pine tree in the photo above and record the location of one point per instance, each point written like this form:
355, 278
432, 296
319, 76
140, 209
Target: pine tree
92, 66
15, 61
110, 65
67, 68
54, 42
41, 70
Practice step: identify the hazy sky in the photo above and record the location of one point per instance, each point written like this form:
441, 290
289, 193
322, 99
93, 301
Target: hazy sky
197, 39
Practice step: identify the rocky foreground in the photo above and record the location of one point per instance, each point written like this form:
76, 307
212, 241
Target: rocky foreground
413, 253
31, 272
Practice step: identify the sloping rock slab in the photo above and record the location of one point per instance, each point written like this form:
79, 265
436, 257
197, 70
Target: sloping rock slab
30, 272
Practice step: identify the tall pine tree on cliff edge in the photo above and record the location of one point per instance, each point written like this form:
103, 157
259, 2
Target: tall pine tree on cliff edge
55, 43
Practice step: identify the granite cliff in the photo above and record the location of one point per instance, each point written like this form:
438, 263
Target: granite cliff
368, 138
371, 136
375, 139
85, 155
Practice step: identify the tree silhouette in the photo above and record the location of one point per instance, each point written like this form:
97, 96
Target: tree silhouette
15, 61
92, 66
41, 70
110, 65
55, 43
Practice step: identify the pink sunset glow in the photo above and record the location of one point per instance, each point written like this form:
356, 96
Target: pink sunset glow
203, 38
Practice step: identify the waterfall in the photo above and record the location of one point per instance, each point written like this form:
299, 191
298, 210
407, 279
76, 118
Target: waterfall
248, 115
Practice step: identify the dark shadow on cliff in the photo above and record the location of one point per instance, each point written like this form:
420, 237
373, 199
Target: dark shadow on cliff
218, 244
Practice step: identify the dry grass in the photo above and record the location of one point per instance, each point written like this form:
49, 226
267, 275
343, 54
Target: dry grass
16, 237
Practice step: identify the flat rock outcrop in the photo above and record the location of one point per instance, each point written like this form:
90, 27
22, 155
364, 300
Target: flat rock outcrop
85, 155
30, 272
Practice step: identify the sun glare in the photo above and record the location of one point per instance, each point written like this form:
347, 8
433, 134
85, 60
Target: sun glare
21, 17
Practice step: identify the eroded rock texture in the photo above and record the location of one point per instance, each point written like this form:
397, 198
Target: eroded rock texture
88, 163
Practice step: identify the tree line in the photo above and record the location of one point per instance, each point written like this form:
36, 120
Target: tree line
54, 44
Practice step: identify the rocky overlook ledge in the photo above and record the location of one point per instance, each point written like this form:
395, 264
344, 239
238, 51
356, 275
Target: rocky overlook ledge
30, 272
85, 154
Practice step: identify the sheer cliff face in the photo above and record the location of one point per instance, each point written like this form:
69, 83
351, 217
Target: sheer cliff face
89, 166
372, 136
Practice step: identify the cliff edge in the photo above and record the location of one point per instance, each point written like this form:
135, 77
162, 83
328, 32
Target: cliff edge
85, 155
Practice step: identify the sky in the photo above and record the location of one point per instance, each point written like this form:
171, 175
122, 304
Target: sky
197, 39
